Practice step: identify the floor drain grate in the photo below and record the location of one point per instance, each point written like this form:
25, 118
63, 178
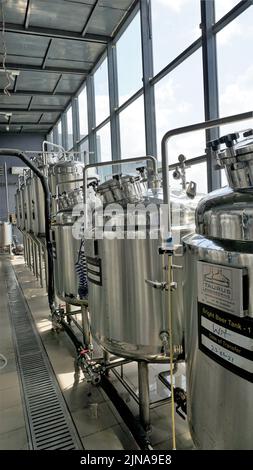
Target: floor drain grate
49, 423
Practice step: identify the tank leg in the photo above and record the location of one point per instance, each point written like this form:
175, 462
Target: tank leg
36, 261
85, 325
143, 383
106, 357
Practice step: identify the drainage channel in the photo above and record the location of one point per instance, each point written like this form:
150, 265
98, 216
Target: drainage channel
48, 420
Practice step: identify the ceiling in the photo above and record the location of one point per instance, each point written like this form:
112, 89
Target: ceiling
53, 44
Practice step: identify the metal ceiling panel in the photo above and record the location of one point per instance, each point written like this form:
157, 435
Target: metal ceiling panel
75, 50
3, 120
25, 45
58, 14
69, 83
44, 101
16, 101
49, 117
24, 60
25, 117
15, 11
69, 64
105, 20
12, 129
119, 4
41, 81
35, 128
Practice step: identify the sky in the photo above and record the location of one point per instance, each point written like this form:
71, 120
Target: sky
178, 96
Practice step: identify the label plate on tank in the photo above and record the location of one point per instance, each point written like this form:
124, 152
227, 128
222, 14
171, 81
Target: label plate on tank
223, 287
226, 339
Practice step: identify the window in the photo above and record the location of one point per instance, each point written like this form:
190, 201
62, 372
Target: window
179, 102
101, 93
59, 130
129, 60
235, 77
104, 152
132, 130
175, 25
84, 148
223, 6
69, 129
83, 115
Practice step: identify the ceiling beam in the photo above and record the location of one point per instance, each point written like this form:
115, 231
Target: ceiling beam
91, 14
14, 110
27, 13
45, 124
38, 93
43, 66
32, 68
56, 33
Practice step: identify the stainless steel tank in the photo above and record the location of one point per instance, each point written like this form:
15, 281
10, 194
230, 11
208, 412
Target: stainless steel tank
128, 313
62, 178
69, 266
5, 234
218, 297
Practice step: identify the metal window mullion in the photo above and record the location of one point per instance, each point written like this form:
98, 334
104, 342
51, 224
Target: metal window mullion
148, 71
64, 130
75, 123
91, 119
114, 100
210, 79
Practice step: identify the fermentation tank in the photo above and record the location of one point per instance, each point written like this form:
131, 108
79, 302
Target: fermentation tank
219, 306
70, 269
5, 234
126, 276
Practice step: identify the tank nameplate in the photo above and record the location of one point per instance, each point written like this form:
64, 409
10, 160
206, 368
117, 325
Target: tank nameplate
226, 339
94, 270
223, 287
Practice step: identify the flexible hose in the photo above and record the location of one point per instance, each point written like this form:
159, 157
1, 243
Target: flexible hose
19, 154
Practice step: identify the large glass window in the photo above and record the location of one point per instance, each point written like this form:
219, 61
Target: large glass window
70, 141
59, 132
235, 77
179, 102
129, 60
83, 114
132, 130
104, 151
101, 92
175, 25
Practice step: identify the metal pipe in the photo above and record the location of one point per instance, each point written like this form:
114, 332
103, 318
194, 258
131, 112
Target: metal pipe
116, 162
144, 402
19, 154
6, 191
183, 130
46, 142
85, 326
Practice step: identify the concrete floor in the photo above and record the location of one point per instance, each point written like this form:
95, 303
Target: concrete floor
97, 421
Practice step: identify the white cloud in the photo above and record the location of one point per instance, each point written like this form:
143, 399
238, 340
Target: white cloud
231, 31
238, 96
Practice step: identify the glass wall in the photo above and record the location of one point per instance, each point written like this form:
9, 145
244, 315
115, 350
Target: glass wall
101, 92
70, 141
83, 113
129, 60
59, 132
176, 87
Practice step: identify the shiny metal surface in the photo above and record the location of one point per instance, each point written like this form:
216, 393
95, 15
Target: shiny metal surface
123, 190
226, 214
5, 234
128, 314
66, 249
219, 402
